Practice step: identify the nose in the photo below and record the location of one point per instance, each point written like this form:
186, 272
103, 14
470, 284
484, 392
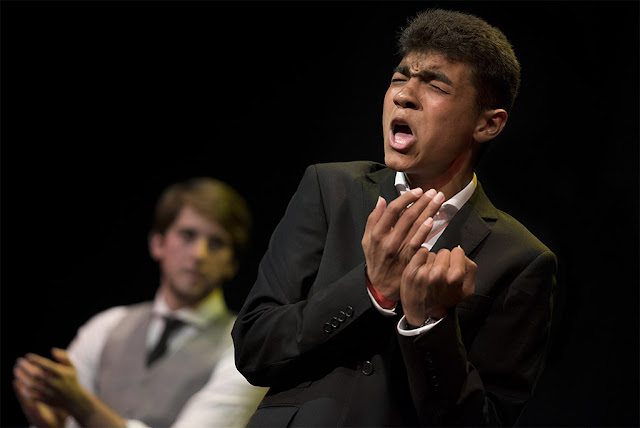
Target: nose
201, 248
406, 97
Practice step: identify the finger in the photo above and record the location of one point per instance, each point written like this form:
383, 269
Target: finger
420, 265
61, 356
457, 266
402, 217
26, 368
418, 260
416, 214
23, 393
375, 215
394, 209
430, 260
23, 376
48, 366
420, 236
469, 283
432, 202
440, 266
436, 203
32, 387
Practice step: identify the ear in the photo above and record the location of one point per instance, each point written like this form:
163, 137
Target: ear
490, 124
156, 246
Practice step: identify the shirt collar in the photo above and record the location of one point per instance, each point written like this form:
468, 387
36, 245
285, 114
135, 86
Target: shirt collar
453, 204
209, 310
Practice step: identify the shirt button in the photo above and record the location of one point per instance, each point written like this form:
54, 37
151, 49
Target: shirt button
367, 368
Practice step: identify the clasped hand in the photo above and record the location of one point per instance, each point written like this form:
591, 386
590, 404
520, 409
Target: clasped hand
45, 387
426, 283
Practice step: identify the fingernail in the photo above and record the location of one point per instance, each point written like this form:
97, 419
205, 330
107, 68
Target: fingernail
428, 222
431, 193
380, 199
439, 198
417, 191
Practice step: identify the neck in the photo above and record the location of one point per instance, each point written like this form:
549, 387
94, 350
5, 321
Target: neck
449, 182
175, 300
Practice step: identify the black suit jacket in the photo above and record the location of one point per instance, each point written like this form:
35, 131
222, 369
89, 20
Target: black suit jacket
309, 331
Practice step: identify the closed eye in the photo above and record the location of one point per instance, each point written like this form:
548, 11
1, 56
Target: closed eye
438, 88
398, 77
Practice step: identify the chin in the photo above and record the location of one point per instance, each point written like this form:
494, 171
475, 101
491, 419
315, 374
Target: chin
395, 161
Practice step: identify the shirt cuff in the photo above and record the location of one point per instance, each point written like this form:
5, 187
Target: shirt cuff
382, 301
386, 312
132, 423
403, 327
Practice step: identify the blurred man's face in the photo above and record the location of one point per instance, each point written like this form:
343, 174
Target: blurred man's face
195, 256
429, 119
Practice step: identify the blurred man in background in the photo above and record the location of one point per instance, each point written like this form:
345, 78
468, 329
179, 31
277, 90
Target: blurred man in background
166, 362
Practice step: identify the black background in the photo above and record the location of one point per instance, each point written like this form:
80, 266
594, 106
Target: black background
105, 103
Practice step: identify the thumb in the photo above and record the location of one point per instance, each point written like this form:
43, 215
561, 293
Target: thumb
61, 356
469, 282
375, 215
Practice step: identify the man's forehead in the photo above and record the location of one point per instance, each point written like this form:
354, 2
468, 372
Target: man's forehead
191, 217
418, 61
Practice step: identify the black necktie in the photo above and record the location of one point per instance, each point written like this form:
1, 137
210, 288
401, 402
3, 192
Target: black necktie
171, 325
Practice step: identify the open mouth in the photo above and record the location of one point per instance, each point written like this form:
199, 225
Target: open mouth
401, 136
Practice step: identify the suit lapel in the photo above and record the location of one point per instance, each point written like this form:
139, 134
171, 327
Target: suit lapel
378, 183
471, 225
468, 228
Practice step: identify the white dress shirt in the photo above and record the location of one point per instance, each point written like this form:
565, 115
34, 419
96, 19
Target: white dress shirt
441, 220
226, 400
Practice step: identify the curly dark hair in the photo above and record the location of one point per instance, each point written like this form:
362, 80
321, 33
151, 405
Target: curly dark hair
465, 38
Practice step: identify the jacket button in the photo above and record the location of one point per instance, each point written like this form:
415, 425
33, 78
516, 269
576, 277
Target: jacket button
335, 323
349, 312
367, 368
342, 316
327, 328
428, 358
434, 379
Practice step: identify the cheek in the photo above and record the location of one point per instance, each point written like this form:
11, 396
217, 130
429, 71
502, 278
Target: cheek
172, 255
387, 107
221, 262
171, 260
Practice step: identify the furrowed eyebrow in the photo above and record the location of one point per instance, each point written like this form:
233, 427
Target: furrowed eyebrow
424, 75
402, 69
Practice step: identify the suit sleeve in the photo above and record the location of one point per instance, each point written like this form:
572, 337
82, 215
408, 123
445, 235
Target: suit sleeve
289, 324
487, 381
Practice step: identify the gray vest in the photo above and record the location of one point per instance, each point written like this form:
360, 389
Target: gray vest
156, 394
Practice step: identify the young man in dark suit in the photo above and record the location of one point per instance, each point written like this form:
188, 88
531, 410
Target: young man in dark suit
398, 295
